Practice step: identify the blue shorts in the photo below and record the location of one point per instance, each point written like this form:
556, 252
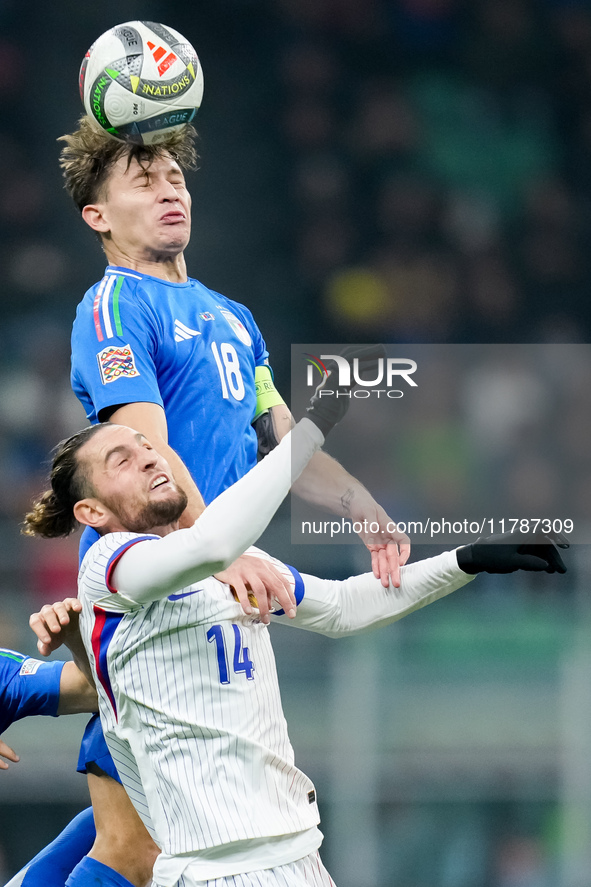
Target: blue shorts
94, 750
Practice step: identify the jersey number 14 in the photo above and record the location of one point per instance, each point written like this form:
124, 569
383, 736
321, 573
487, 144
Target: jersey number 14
242, 662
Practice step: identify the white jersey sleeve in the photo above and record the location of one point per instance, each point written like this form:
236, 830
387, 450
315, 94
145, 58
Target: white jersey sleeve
335, 608
158, 566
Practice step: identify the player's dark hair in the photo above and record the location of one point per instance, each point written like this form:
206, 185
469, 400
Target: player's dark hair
52, 513
90, 153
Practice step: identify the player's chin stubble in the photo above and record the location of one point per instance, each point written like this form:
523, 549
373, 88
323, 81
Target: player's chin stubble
153, 514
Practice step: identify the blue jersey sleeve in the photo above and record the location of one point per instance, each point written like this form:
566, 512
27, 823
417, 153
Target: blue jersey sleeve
27, 687
115, 340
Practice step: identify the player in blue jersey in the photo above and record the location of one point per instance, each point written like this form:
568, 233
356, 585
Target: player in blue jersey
31, 687
157, 350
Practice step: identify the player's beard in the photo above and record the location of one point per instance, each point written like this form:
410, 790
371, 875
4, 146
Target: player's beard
160, 513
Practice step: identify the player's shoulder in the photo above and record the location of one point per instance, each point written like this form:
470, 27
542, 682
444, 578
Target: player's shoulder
102, 300
233, 305
115, 281
236, 313
96, 569
120, 301
111, 545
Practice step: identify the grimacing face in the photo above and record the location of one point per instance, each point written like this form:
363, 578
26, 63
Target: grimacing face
146, 213
131, 480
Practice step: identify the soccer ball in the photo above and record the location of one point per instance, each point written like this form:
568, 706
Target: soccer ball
140, 81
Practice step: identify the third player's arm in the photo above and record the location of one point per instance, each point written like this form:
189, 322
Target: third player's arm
57, 624
76, 693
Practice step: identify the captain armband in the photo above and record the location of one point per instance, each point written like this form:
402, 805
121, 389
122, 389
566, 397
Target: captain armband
267, 394
267, 397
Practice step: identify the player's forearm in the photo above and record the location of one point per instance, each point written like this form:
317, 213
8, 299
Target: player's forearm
231, 523
77, 693
325, 483
361, 602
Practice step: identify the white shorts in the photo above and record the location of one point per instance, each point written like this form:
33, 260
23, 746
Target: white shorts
306, 872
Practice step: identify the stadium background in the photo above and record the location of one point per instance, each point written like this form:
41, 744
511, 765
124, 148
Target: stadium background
398, 170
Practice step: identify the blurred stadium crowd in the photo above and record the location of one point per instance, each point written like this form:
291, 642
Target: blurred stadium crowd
407, 171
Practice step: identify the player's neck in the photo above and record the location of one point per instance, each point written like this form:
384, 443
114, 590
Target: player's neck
116, 526
171, 268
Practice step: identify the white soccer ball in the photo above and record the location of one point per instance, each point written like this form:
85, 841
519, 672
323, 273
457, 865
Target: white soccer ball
140, 81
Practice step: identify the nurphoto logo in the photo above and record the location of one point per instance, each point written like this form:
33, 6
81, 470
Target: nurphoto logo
385, 373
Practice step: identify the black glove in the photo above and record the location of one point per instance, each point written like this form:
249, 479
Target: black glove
508, 552
326, 411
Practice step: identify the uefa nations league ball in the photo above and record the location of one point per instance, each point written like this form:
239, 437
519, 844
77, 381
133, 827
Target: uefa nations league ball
140, 81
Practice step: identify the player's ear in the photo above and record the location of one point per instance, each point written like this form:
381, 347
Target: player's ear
94, 217
91, 513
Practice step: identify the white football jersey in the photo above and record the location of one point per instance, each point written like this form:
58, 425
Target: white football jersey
187, 683
188, 686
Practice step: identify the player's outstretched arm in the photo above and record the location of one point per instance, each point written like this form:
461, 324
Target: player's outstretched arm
246, 576
153, 569
359, 603
7, 752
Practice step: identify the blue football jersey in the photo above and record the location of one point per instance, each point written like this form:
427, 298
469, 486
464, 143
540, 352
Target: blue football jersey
137, 338
27, 687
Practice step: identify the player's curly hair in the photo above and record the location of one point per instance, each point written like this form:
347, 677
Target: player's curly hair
90, 153
52, 513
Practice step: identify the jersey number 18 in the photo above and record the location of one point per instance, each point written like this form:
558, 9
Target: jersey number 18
228, 366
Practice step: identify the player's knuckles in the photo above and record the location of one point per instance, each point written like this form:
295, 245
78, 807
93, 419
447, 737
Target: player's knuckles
258, 588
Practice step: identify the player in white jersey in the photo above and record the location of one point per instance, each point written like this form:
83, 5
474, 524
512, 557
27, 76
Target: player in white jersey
187, 683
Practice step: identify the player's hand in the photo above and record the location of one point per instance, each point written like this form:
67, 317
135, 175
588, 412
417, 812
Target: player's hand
509, 552
56, 624
7, 752
389, 548
257, 583
326, 409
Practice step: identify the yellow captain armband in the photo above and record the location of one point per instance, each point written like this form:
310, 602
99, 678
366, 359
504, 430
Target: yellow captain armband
267, 394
